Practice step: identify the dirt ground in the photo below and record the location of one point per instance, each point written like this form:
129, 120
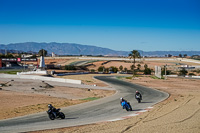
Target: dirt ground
151, 64
87, 79
21, 98
171, 65
62, 61
179, 113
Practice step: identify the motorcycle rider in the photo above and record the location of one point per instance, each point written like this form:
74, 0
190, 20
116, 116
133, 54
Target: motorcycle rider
122, 104
53, 109
122, 100
138, 94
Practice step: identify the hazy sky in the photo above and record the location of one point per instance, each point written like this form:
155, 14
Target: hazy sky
147, 25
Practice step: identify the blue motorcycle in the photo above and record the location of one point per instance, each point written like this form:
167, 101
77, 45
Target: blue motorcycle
126, 105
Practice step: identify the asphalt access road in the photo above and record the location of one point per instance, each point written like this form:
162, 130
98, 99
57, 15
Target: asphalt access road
104, 109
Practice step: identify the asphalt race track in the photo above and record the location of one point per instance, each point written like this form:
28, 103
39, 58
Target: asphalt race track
101, 110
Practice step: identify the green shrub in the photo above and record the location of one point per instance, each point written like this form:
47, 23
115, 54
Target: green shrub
113, 69
70, 67
168, 72
101, 69
147, 71
191, 74
92, 70
183, 71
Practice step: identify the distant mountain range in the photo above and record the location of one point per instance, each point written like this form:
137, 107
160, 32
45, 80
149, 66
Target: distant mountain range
78, 49
63, 48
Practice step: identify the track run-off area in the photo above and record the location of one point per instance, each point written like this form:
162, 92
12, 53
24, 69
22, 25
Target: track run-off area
101, 110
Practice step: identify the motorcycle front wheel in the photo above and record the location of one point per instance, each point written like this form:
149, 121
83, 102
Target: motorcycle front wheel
51, 116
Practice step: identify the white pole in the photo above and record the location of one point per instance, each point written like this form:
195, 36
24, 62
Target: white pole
165, 71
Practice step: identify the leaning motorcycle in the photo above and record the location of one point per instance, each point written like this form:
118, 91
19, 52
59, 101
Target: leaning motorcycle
53, 115
126, 105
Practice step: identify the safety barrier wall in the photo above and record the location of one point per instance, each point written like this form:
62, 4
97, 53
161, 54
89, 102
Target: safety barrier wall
193, 76
32, 72
72, 81
182, 76
172, 75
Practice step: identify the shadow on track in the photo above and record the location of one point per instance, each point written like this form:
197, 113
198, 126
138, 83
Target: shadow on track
137, 109
72, 118
146, 102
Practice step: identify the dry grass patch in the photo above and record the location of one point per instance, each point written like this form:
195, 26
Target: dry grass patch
179, 113
17, 104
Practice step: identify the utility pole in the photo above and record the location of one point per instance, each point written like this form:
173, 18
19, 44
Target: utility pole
24, 62
165, 71
43, 58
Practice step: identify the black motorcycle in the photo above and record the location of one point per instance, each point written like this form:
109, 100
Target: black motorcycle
138, 98
55, 114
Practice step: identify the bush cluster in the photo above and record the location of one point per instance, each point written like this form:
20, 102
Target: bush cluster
70, 67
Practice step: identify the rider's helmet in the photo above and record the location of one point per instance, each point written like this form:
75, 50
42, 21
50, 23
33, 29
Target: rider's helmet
121, 99
50, 106
136, 91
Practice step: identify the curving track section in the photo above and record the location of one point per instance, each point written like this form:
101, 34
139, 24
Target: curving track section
104, 109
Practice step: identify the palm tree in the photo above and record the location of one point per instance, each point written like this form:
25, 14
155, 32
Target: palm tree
132, 67
121, 68
145, 66
42, 52
125, 69
134, 54
138, 66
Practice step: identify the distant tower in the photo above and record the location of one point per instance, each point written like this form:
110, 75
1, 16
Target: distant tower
158, 71
5, 50
42, 63
53, 54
